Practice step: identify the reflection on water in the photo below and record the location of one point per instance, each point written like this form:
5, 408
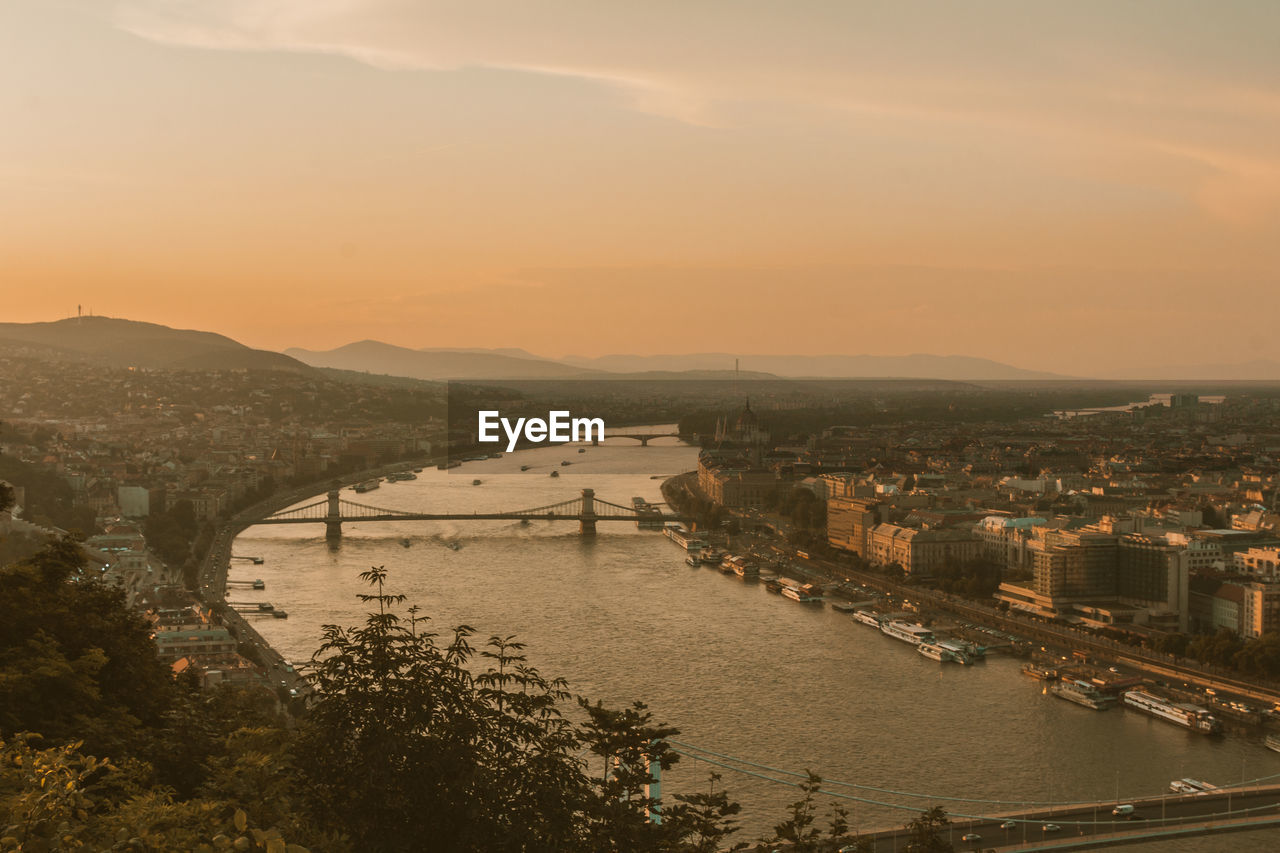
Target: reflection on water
740, 671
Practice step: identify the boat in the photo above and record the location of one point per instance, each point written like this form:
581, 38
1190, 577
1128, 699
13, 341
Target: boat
1273, 743
1082, 693
866, 617
843, 606
475, 482
259, 584
453, 546
773, 585
405, 543
555, 473
564, 462
280, 614
908, 632
960, 652
367, 486
1179, 713
692, 560
933, 651
1191, 786
582, 450
805, 593
524, 467
1042, 673
743, 569
263, 607
712, 557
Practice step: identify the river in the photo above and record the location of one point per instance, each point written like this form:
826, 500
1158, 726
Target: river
738, 670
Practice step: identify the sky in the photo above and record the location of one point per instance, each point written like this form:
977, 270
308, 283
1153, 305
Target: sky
1060, 186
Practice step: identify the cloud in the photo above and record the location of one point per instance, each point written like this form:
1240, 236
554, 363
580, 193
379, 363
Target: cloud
1161, 80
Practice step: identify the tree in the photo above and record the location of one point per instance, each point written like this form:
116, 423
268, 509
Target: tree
75, 663
925, 832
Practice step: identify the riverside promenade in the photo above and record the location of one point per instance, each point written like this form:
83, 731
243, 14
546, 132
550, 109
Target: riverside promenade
212, 576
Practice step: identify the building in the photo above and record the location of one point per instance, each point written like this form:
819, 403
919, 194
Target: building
920, 551
1260, 610
849, 523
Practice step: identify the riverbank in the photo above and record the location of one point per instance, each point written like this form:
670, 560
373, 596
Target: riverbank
212, 575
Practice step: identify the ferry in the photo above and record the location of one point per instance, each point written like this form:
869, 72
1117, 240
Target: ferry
866, 617
1182, 714
908, 632
1273, 743
933, 651
1082, 693
367, 486
1043, 673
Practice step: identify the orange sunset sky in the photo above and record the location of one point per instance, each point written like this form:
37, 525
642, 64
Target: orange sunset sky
1061, 186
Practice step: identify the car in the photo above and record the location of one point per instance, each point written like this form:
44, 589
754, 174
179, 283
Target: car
1009, 824
971, 836
1049, 827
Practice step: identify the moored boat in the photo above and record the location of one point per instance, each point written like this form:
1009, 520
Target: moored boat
1179, 713
933, 651
908, 632
866, 617
1082, 693
1043, 673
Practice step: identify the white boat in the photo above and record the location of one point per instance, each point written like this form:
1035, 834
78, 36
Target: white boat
908, 632
933, 651
866, 617
1082, 693
1191, 786
803, 594
1182, 714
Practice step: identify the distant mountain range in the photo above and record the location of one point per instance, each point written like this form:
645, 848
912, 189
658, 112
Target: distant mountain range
377, 357
919, 366
128, 343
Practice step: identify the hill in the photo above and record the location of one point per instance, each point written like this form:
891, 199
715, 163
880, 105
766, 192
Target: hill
377, 357
129, 343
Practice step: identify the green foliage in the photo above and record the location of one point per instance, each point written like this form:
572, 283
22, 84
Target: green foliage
976, 578
171, 533
925, 832
75, 663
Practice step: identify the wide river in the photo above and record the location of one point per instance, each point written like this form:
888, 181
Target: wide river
738, 670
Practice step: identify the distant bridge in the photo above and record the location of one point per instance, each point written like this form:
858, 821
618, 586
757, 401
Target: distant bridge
643, 437
335, 510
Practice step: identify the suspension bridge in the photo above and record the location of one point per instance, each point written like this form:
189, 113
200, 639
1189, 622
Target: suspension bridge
334, 511
1023, 825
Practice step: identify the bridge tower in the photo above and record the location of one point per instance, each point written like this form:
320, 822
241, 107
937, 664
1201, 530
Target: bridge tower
333, 518
587, 520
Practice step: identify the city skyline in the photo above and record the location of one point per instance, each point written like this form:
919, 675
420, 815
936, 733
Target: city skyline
1058, 189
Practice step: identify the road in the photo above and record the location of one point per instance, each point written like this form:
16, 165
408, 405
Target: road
1094, 825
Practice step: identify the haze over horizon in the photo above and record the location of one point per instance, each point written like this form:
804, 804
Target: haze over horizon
1064, 189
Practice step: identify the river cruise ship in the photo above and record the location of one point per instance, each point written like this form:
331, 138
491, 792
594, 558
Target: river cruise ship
1188, 716
908, 632
1082, 693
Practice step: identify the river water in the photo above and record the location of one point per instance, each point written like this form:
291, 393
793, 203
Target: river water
738, 670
